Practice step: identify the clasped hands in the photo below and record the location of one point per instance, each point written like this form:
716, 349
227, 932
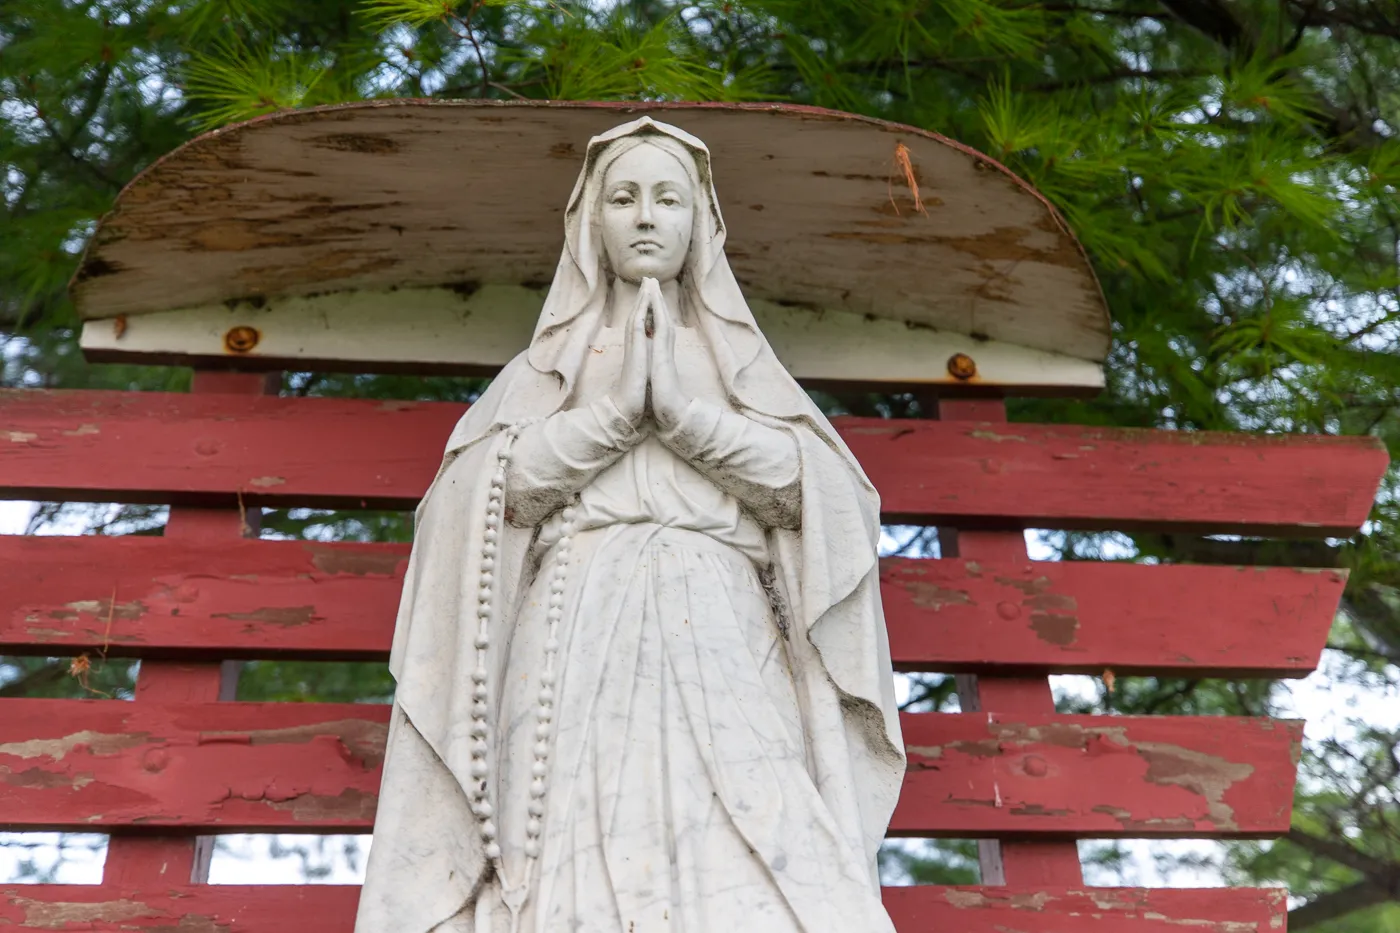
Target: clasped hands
648, 383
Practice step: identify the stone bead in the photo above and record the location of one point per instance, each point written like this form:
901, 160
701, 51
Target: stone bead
570, 513
479, 676
479, 749
542, 751
493, 851
537, 788
539, 770
556, 613
546, 696
557, 586
551, 645
556, 600
483, 809
479, 729
532, 848
533, 827
488, 549
483, 612
491, 535
488, 830
548, 678
478, 767
543, 714
480, 692
488, 564
479, 709
492, 520
542, 730
482, 641
536, 808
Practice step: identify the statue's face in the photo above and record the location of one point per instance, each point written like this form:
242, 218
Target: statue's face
646, 213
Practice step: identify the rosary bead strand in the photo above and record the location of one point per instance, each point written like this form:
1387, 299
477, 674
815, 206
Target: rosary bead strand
481, 804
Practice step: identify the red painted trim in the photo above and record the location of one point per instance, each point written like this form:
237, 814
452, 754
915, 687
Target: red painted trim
343, 453
920, 909
312, 767
153, 597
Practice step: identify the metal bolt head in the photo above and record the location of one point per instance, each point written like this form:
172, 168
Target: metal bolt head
961, 367
241, 339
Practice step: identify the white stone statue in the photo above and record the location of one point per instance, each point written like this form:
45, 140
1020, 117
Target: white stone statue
643, 679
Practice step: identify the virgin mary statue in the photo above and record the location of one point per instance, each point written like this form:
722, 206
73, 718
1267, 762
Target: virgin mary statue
643, 678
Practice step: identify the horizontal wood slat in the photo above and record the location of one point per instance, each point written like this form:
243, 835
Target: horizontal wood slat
233, 767
151, 597
919, 909
346, 453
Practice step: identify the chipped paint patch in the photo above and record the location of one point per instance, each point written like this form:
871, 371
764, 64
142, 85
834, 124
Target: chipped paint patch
83, 430
21, 437
285, 616
62, 915
97, 743
265, 481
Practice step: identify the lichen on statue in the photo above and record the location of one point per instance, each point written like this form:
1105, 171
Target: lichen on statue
643, 677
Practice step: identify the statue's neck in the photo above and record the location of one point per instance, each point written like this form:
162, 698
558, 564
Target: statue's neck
623, 298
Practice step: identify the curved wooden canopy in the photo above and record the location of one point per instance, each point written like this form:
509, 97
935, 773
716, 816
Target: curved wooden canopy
392, 194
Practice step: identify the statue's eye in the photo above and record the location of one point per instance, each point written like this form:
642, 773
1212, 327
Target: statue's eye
621, 199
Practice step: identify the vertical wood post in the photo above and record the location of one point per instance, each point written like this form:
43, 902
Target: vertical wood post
1005, 861
175, 860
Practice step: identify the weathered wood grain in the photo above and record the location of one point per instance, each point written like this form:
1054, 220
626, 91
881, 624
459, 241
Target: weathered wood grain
989, 774
236, 767
154, 597
919, 909
344, 453
963, 615
465, 193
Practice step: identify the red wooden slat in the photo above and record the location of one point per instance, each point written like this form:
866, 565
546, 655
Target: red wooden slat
153, 597
232, 767
921, 909
358, 453
960, 615
133, 860
1043, 909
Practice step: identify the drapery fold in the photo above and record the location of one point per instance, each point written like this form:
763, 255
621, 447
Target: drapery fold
825, 574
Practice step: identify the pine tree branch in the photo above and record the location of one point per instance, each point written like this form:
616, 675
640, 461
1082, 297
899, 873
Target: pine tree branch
1124, 74
1368, 16
1214, 18
1334, 904
1343, 854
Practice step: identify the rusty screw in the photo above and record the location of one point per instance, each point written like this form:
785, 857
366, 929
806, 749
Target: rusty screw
961, 367
241, 339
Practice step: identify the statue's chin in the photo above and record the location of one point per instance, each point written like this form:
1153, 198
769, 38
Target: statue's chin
633, 273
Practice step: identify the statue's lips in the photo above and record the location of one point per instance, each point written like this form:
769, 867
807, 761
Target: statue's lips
646, 245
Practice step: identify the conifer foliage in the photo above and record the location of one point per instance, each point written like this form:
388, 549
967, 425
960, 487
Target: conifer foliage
1231, 166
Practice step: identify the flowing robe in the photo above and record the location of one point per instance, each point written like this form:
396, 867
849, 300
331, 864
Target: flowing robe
717, 764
